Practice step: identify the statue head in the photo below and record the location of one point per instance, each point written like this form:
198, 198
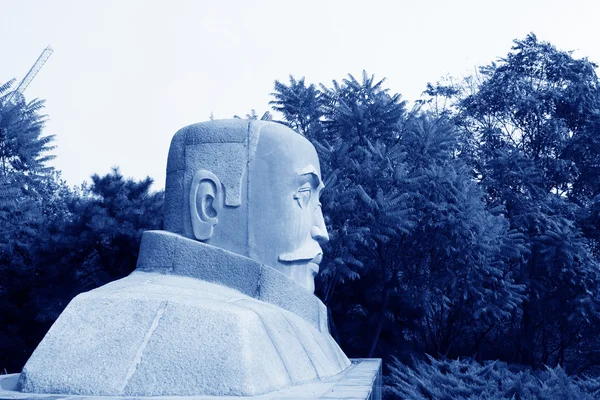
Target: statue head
250, 187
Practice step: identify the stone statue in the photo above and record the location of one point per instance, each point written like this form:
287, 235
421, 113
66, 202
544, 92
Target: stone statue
221, 302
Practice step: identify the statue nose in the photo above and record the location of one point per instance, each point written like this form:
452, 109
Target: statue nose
318, 230
319, 234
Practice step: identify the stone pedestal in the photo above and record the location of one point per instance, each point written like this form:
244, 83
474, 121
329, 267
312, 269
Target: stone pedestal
362, 380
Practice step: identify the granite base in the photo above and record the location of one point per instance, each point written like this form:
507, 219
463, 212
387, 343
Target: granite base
361, 381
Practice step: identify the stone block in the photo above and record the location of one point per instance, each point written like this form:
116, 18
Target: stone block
332, 351
217, 266
324, 366
278, 289
157, 251
343, 385
291, 350
161, 335
209, 348
176, 157
226, 160
323, 320
89, 349
174, 211
217, 131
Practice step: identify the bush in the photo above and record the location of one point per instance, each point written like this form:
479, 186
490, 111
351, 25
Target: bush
467, 379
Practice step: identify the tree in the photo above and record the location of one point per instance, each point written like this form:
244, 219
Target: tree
459, 259
419, 257
23, 149
87, 238
24, 174
98, 243
299, 104
27, 185
531, 120
253, 115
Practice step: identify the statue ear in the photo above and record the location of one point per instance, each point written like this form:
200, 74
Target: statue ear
205, 204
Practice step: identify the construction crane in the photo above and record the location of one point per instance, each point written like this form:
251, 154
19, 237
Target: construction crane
39, 63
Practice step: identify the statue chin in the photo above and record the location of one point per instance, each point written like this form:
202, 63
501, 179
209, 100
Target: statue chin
211, 308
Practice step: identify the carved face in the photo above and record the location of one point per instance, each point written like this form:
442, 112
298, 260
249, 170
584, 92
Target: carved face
285, 221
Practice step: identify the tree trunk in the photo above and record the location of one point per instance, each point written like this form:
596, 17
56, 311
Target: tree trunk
527, 334
380, 322
332, 328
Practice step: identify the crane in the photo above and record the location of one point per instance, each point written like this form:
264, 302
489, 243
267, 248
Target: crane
39, 63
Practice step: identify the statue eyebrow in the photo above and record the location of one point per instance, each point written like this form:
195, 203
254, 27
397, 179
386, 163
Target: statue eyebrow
311, 170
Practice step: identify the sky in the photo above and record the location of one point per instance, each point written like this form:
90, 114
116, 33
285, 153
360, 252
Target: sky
125, 75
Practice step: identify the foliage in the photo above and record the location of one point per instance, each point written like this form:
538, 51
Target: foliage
27, 186
98, 243
530, 121
83, 239
23, 170
467, 379
254, 116
23, 149
299, 104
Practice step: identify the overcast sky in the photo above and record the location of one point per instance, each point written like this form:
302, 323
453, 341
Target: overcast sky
127, 74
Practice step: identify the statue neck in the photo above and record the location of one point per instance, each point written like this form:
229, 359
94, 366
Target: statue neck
172, 254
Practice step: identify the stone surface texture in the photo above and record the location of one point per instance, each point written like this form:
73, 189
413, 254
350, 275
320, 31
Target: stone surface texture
182, 325
221, 303
360, 381
169, 253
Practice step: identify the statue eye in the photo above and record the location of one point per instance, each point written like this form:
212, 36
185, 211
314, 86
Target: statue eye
302, 196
